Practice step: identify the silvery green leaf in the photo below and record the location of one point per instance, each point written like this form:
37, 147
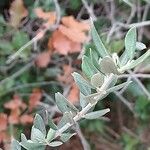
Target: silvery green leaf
37, 135
94, 61
15, 145
50, 135
124, 59
23, 138
140, 46
87, 67
83, 85
130, 43
30, 145
63, 104
55, 143
136, 62
98, 43
108, 66
39, 124
66, 136
97, 80
83, 101
118, 87
67, 118
52, 124
96, 114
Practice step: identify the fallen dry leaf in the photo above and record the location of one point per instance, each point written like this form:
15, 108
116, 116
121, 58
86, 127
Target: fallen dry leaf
35, 98
43, 59
3, 121
62, 44
17, 12
25, 119
69, 36
49, 17
73, 34
73, 95
71, 22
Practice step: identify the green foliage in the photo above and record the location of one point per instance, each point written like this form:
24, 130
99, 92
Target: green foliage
96, 114
98, 43
64, 105
130, 143
142, 108
130, 43
101, 74
84, 86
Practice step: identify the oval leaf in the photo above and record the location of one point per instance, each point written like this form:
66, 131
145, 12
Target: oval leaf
87, 67
130, 42
50, 135
55, 143
140, 46
83, 85
37, 135
96, 114
97, 80
108, 66
64, 105
66, 136
39, 124
98, 43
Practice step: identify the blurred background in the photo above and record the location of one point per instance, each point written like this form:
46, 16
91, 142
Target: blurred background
42, 43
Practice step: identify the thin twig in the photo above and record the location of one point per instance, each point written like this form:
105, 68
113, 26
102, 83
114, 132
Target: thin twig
89, 10
112, 12
18, 73
139, 75
84, 142
137, 25
132, 14
125, 101
145, 13
140, 84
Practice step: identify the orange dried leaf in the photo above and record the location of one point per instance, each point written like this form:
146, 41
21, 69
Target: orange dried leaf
50, 17
3, 121
17, 12
73, 34
75, 47
25, 119
71, 22
62, 44
73, 95
43, 59
35, 98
